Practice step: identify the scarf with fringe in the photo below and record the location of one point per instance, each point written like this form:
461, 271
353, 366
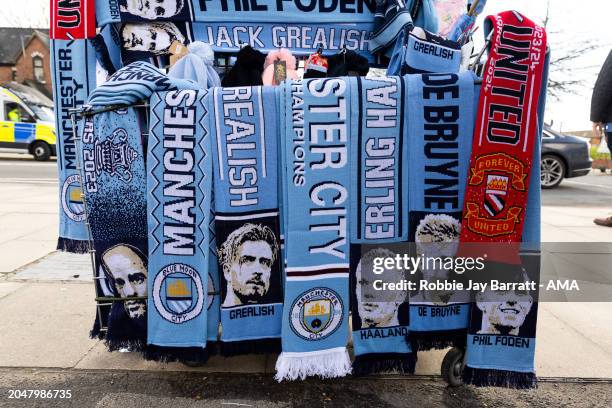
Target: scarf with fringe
316, 122
112, 157
501, 338
73, 74
178, 206
114, 183
379, 214
441, 112
243, 124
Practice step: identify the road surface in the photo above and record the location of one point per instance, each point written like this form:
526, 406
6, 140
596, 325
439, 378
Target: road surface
22, 168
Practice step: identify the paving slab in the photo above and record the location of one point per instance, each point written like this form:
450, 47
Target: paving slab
6, 288
46, 325
429, 362
17, 253
57, 266
562, 350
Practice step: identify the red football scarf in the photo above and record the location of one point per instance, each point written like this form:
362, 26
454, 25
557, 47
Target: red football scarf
504, 136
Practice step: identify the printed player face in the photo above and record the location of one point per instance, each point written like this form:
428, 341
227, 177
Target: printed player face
507, 309
152, 9
437, 236
250, 272
376, 309
140, 37
130, 276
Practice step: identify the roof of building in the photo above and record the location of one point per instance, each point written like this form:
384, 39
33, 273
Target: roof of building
13, 38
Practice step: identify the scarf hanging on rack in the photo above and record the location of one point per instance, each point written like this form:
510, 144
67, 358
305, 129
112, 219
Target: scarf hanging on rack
420, 51
73, 74
197, 66
113, 172
134, 83
441, 112
317, 120
179, 189
501, 339
243, 125
120, 142
379, 214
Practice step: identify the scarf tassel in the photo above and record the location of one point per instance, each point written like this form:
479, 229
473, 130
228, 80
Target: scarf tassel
330, 363
368, 364
170, 354
74, 246
485, 377
116, 344
260, 346
95, 333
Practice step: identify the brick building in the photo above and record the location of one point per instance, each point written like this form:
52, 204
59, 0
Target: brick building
25, 58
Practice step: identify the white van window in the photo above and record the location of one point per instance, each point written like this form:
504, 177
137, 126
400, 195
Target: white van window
13, 112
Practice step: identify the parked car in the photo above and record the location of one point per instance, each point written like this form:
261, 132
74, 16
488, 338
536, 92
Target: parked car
563, 156
26, 122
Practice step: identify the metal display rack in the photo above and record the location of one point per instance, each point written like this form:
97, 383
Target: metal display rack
452, 364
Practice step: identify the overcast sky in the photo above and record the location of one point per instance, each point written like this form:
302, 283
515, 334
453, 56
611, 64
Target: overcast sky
570, 23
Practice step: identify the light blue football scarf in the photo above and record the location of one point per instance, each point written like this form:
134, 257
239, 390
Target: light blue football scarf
73, 65
318, 120
441, 114
114, 183
379, 214
179, 188
197, 67
420, 51
134, 83
243, 127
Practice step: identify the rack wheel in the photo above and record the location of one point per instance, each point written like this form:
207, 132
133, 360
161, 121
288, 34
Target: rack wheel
452, 365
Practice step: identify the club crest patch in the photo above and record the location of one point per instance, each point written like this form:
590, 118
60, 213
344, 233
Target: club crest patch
177, 293
72, 202
495, 194
316, 314
114, 156
498, 175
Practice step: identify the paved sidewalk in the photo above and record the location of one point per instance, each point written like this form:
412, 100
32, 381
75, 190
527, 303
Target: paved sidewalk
28, 223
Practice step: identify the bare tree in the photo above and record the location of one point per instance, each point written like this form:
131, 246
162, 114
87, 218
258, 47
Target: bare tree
33, 14
567, 75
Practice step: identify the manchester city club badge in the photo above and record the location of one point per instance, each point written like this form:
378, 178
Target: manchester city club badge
72, 201
178, 293
316, 313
